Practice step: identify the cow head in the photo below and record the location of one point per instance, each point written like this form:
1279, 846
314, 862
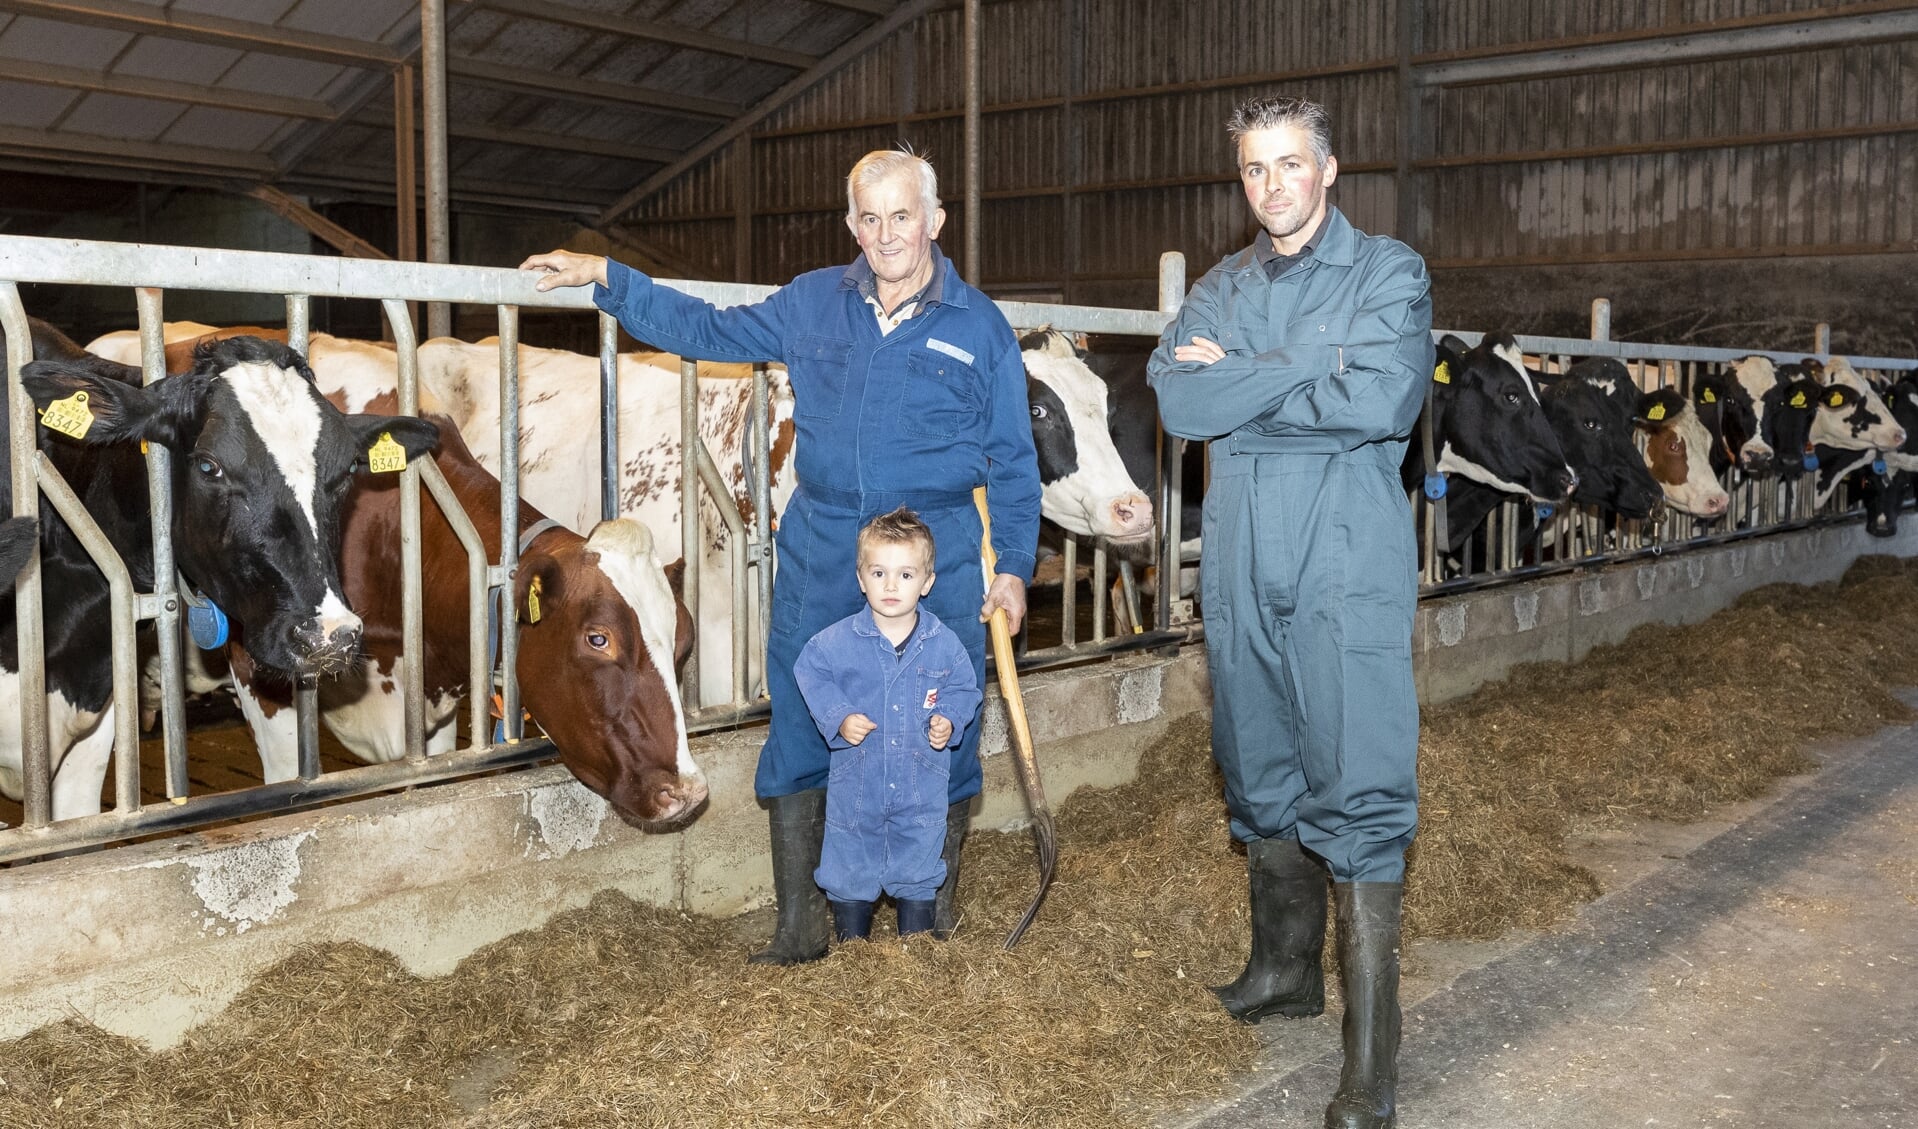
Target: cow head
1790, 407
602, 637
1727, 411
1851, 414
1491, 427
1676, 446
1590, 409
261, 465
1083, 484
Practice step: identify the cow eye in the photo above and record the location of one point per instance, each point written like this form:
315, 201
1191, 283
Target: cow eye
1594, 425
1038, 411
1511, 397
597, 640
208, 466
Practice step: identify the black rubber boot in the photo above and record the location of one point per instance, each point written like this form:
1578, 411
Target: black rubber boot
1369, 973
1285, 976
798, 829
945, 917
915, 916
851, 921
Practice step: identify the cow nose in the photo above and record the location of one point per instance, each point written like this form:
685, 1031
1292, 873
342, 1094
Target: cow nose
1898, 437
1131, 514
676, 800
1717, 504
1567, 482
326, 644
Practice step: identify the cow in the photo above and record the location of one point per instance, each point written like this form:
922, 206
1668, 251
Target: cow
601, 637
1730, 417
261, 464
1677, 451
1085, 486
1790, 406
1852, 427
1885, 493
1590, 409
18, 535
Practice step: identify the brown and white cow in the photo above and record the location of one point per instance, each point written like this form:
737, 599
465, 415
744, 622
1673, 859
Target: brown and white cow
1677, 450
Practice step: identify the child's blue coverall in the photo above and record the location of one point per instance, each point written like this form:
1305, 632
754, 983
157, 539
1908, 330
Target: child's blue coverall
886, 796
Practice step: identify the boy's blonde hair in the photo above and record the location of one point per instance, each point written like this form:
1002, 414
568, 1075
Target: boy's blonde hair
900, 527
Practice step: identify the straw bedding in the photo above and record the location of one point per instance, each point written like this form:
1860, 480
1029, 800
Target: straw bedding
629, 1015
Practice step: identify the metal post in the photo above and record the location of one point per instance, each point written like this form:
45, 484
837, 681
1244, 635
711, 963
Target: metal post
1069, 613
1101, 590
689, 540
165, 577
608, 417
1601, 319
974, 221
762, 493
406, 172
23, 432
306, 687
439, 316
510, 720
1171, 462
1821, 339
412, 619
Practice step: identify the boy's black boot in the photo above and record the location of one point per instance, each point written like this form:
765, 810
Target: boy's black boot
945, 916
851, 921
798, 830
1369, 973
1284, 976
916, 916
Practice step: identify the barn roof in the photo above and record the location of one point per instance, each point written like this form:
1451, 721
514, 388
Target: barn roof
572, 106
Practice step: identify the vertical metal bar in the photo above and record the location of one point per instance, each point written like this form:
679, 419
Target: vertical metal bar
510, 720
412, 621
608, 417
1101, 593
1069, 589
406, 189
439, 316
1171, 461
159, 460
762, 488
974, 220
1601, 319
689, 539
478, 678
23, 432
306, 688
1821, 339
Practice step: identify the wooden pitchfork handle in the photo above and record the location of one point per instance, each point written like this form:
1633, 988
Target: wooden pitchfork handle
1025, 762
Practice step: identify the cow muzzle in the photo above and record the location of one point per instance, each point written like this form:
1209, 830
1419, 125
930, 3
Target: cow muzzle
327, 644
1129, 518
674, 801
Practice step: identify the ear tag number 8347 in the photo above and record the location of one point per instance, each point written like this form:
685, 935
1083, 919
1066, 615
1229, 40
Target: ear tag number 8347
70, 416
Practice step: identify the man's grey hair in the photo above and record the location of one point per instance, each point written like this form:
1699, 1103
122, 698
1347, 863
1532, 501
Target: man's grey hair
884, 164
1273, 111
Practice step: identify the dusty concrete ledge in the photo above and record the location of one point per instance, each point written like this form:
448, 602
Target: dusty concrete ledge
1461, 642
150, 939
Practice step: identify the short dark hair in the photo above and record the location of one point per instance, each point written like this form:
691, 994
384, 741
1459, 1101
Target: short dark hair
900, 527
1271, 111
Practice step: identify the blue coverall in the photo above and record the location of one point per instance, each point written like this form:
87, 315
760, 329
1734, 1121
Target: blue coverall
917, 417
886, 796
1309, 579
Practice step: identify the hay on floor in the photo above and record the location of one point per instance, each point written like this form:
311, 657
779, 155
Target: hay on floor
636, 1016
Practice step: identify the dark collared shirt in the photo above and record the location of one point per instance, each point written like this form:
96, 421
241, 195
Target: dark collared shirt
859, 277
1277, 263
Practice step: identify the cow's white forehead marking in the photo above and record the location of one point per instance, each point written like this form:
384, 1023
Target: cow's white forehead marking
285, 413
1511, 356
625, 549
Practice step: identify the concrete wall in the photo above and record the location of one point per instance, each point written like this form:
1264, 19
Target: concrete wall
148, 940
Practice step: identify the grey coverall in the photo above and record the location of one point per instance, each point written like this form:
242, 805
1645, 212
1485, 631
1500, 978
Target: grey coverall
1309, 579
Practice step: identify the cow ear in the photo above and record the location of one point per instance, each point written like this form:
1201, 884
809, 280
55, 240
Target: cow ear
75, 399
682, 635
375, 438
536, 587
1837, 396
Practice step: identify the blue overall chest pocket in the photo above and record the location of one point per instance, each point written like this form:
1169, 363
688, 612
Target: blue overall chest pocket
940, 399
1325, 334
819, 368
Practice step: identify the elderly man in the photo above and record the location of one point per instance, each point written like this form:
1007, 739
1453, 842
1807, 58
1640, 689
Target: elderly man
909, 390
1304, 359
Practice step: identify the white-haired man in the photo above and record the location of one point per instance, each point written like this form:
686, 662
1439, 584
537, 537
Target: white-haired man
908, 390
1304, 359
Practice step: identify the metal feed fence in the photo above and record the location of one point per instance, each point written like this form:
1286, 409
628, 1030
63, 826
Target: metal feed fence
152, 270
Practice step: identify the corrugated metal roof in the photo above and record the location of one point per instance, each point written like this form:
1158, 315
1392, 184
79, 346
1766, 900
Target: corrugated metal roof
577, 100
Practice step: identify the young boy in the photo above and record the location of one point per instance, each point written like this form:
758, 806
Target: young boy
890, 688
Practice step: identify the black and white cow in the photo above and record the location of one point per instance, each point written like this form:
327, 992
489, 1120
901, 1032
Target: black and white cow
1885, 493
261, 464
1085, 485
1852, 428
1590, 408
1727, 410
1788, 408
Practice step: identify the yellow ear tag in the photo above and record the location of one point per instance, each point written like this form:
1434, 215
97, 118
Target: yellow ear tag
1707, 396
1656, 413
1443, 373
385, 456
70, 416
1798, 399
1837, 399
532, 602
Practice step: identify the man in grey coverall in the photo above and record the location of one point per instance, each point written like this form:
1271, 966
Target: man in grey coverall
1304, 359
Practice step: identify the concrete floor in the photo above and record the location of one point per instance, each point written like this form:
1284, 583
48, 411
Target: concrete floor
1756, 971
